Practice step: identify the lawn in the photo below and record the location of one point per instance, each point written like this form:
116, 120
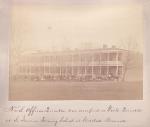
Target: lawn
56, 90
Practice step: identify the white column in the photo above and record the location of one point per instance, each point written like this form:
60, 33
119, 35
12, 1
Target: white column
107, 63
44, 66
117, 63
65, 65
100, 63
49, 64
122, 71
72, 64
59, 69
92, 66
84, 65
78, 64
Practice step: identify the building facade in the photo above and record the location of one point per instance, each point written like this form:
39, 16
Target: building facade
80, 65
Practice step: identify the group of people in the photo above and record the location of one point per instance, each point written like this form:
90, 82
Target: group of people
79, 77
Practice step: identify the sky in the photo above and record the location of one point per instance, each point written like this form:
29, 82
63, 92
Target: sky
63, 26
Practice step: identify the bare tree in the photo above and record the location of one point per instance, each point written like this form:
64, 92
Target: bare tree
127, 63
131, 56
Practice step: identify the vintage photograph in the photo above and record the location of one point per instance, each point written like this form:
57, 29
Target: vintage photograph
76, 52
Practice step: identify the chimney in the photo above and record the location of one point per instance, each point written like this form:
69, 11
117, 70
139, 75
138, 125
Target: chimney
113, 46
105, 46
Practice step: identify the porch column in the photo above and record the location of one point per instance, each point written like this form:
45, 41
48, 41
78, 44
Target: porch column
72, 64
107, 63
100, 64
85, 65
78, 60
92, 67
117, 63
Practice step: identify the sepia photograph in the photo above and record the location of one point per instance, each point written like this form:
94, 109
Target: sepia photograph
76, 52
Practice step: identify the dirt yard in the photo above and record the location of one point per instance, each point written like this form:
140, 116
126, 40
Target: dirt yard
47, 90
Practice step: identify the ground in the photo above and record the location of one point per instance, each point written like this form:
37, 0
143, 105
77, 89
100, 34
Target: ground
56, 90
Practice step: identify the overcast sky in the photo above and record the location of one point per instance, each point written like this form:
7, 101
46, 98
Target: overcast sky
47, 27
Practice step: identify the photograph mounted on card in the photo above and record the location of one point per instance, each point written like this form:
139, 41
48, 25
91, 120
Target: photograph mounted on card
76, 51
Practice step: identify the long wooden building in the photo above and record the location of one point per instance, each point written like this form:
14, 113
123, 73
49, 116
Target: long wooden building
80, 65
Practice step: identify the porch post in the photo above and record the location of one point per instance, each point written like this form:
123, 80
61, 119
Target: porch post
117, 63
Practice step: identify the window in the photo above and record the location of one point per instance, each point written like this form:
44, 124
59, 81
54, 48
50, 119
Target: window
112, 56
104, 56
